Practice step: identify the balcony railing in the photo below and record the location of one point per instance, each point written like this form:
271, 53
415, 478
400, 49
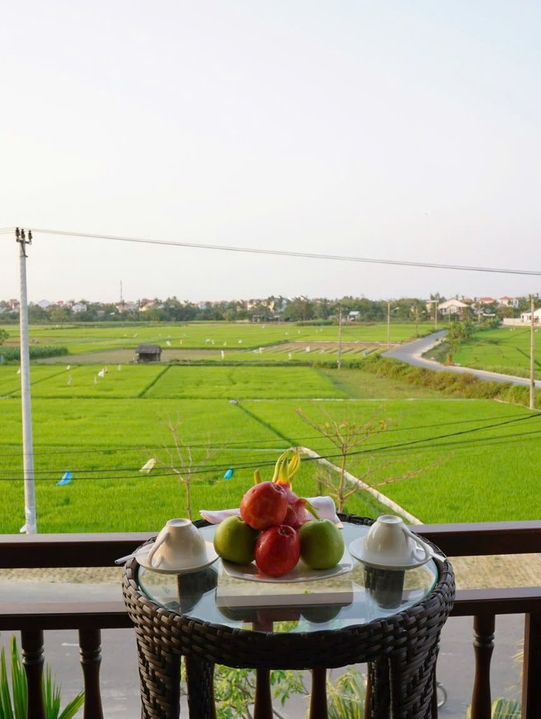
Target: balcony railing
100, 550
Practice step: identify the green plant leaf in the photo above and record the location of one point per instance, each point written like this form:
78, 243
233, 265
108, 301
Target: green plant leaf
14, 691
18, 683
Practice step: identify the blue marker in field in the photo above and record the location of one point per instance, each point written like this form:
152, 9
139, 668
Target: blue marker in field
229, 474
67, 478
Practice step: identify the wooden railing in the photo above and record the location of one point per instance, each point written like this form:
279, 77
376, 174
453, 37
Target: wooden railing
100, 550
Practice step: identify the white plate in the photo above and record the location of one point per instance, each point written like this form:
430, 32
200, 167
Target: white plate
357, 549
301, 573
142, 558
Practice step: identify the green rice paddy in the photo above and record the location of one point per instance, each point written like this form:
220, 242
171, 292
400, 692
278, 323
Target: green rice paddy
442, 460
505, 350
229, 336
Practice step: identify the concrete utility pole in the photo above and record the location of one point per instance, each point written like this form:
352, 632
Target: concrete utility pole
532, 352
388, 324
415, 310
30, 525
339, 360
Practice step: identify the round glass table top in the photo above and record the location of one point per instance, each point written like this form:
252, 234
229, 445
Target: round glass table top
358, 596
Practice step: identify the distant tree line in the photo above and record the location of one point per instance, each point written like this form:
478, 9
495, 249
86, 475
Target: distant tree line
273, 308
296, 309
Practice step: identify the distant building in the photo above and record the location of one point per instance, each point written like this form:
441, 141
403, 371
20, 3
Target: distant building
148, 353
527, 316
79, 307
150, 306
354, 316
509, 302
123, 307
452, 308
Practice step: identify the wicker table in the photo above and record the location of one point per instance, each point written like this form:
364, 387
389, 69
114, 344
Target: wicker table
394, 627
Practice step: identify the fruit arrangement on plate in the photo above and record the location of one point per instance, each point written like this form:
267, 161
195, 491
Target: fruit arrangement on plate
275, 529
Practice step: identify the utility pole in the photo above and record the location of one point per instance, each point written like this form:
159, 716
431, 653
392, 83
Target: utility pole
416, 321
30, 525
339, 360
388, 324
532, 352
435, 314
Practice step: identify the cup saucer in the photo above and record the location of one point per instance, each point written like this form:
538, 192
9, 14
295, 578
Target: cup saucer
142, 558
358, 550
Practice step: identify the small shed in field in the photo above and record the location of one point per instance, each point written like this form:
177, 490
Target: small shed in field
148, 353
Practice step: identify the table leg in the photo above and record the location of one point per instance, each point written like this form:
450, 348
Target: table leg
160, 681
263, 696
318, 700
377, 700
200, 680
412, 683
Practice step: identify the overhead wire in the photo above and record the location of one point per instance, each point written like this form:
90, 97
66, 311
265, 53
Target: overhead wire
305, 255
287, 253
206, 469
243, 444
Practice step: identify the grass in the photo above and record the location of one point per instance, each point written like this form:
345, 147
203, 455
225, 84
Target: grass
479, 472
103, 430
358, 384
85, 381
83, 338
105, 443
505, 350
243, 382
10, 379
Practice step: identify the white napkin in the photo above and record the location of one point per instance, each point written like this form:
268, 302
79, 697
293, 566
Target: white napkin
324, 506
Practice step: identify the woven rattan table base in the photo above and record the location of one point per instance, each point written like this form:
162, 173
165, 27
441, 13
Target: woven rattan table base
400, 650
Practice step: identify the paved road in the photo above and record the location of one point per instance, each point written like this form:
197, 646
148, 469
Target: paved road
119, 679
412, 352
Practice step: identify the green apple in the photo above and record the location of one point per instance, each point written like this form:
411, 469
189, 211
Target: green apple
235, 541
322, 544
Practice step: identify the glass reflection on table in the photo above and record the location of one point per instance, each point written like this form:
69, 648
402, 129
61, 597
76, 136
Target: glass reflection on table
372, 594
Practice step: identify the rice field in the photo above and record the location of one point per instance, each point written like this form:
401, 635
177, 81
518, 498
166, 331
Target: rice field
506, 350
443, 460
227, 336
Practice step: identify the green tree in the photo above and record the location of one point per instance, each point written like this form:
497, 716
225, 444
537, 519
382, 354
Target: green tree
59, 315
3, 335
299, 309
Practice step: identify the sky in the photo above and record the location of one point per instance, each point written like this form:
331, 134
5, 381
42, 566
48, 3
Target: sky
392, 129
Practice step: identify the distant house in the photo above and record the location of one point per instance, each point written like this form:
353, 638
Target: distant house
452, 308
527, 316
509, 302
79, 307
354, 316
148, 353
486, 301
147, 306
44, 304
123, 307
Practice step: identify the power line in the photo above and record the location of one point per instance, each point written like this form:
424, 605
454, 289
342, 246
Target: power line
291, 253
211, 469
244, 444
205, 469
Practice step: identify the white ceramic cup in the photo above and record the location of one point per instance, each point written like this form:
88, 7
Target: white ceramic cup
389, 541
178, 546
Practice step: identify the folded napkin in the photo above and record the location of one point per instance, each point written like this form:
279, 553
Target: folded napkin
324, 506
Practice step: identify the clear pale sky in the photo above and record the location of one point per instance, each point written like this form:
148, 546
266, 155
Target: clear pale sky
402, 130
